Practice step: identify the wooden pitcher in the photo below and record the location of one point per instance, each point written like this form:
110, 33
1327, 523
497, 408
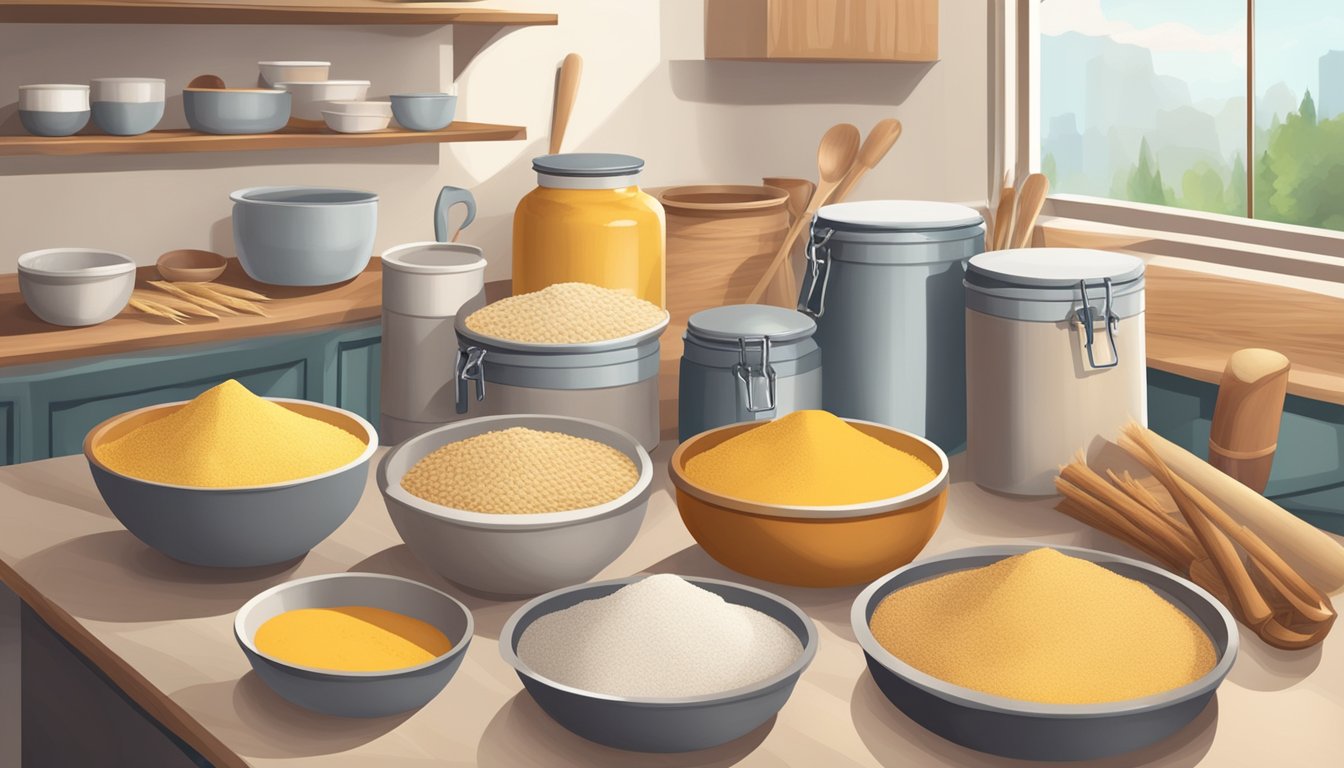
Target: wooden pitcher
720, 239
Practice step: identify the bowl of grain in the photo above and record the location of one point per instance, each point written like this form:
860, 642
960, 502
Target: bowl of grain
659, 663
810, 499
354, 644
1039, 653
230, 479
517, 505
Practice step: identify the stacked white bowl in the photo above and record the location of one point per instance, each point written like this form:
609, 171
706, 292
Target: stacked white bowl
53, 109
127, 106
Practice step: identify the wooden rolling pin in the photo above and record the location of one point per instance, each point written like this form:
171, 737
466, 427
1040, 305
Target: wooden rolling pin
1319, 558
1246, 418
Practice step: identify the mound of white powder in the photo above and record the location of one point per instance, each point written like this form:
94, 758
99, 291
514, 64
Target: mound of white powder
659, 637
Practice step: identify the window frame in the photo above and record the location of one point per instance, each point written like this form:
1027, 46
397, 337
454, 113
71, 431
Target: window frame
1268, 246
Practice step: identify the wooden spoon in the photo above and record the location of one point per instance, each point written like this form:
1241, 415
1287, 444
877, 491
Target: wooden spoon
1029, 202
566, 90
1003, 219
875, 147
835, 155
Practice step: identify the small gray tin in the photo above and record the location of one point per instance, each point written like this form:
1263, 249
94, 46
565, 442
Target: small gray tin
614, 381
746, 362
884, 282
1033, 731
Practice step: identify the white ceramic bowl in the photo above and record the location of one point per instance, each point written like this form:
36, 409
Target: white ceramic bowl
76, 286
127, 90
310, 97
359, 107
273, 72
342, 123
54, 97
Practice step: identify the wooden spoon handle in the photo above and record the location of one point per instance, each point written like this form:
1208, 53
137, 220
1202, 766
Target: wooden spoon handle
781, 256
566, 91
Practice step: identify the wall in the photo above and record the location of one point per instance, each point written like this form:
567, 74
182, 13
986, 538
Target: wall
646, 91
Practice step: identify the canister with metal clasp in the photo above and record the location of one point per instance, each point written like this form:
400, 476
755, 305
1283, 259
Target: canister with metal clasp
614, 381
883, 280
746, 362
1055, 358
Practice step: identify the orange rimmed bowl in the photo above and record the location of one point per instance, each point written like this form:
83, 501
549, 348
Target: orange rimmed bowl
812, 546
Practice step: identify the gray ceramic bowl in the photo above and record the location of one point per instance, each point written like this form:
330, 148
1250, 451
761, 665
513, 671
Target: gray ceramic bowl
524, 554
423, 111
303, 235
661, 725
236, 111
1029, 730
357, 694
121, 118
41, 123
233, 527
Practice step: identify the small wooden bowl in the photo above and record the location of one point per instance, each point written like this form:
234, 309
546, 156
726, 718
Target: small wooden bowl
190, 266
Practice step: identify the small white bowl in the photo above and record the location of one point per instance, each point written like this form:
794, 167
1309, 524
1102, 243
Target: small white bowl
310, 97
54, 97
127, 90
76, 286
273, 72
359, 107
356, 123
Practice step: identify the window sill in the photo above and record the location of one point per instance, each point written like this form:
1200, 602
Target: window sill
1207, 298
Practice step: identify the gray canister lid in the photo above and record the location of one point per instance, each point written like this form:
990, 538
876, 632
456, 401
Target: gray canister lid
588, 164
897, 215
1043, 284
735, 321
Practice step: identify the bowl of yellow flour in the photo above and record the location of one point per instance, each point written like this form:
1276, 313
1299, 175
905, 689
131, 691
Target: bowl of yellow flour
1044, 653
354, 644
230, 479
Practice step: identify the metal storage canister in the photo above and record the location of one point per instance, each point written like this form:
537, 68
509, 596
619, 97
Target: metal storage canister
746, 362
884, 281
424, 286
614, 381
1054, 358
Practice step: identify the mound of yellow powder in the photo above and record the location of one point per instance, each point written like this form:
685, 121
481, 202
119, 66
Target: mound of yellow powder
227, 438
809, 459
566, 313
1044, 627
350, 638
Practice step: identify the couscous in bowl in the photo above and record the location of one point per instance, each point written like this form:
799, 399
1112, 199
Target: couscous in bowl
515, 554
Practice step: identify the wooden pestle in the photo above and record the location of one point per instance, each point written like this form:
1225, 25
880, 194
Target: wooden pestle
1246, 417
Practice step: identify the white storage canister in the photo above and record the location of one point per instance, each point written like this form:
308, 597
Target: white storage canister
424, 286
614, 382
884, 281
1054, 358
746, 362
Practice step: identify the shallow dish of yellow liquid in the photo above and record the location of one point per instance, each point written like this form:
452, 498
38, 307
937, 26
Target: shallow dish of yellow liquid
354, 644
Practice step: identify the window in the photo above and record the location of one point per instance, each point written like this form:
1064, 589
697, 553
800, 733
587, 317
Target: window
1217, 106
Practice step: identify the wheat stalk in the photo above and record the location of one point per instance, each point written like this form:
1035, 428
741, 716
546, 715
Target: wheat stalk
237, 293
182, 293
157, 310
182, 306
207, 291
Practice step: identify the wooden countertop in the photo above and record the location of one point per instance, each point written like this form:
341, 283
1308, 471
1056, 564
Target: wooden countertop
163, 632
25, 339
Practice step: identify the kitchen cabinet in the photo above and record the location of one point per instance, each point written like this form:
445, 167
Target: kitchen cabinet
46, 409
822, 30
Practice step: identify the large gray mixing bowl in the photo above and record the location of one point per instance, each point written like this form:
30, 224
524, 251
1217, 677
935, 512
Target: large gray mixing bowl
303, 235
357, 694
521, 554
233, 527
1028, 730
654, 724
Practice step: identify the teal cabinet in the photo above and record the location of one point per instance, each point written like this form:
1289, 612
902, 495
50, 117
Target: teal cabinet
45, 410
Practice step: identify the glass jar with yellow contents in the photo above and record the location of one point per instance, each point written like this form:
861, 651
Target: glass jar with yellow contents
587, 221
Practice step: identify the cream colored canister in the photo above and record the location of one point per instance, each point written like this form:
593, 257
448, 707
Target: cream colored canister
1054, 359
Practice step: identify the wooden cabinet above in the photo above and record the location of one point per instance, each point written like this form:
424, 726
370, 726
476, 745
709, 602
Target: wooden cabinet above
822, 30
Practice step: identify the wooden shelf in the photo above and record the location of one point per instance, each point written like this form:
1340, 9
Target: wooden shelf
260, 12
289, 138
